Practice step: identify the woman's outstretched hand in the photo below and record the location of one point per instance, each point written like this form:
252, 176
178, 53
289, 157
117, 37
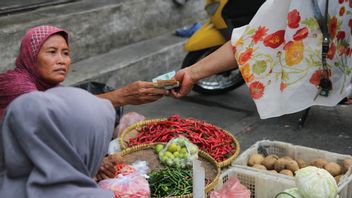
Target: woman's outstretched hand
221, 60
184, 77
139, 92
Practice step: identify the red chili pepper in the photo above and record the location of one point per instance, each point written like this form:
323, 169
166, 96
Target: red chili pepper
207, 137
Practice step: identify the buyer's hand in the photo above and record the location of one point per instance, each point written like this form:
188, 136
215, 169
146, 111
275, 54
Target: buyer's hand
107, 168
184, 76
223, 59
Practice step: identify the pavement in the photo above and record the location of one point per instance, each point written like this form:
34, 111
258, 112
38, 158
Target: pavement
326, 128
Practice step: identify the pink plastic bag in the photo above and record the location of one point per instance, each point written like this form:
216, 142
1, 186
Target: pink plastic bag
127, 120
232, 188
130, 186
130, 182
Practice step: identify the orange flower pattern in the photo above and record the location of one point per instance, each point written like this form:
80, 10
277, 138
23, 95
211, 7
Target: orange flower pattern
293, 19
332, 26
245, 56
259, 34
256, 89
294, 52
246, 73
301, 34
275, 39
294, 58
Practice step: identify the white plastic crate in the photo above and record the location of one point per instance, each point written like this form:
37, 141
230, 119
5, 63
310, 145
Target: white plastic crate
260, 184
296, 152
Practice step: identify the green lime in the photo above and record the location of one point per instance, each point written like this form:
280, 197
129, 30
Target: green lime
176, 154
172, 147
159, 148
183, 150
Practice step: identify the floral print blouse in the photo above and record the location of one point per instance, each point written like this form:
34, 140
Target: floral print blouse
279, 55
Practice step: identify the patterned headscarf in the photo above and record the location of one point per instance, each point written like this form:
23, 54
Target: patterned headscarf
25, 78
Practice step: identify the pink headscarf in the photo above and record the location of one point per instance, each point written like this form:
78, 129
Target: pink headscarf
25, 78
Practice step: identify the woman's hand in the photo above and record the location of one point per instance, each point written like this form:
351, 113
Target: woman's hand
139, 92
221, 60
184, 76
107, 168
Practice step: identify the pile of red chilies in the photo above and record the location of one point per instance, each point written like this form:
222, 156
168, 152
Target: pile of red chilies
208, 138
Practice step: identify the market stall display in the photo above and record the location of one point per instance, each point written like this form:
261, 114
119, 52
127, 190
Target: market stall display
261, 181
218, 143
147, 152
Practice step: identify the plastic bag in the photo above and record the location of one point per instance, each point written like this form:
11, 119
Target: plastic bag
129, 186
130, 181
179, 152
114, 146
231, 188
127, 120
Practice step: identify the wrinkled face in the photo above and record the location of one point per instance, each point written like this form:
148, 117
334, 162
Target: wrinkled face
54, 59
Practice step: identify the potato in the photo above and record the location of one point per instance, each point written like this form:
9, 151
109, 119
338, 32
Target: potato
286, 172
280, 164
333, 168
259, 166
301, 163
287, 157
269, 161
273, 171
255, 159
320, 163
347, 163
292, 165
337, 178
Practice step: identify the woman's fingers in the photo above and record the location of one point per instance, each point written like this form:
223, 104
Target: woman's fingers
98, 177
154, 91
142, 88
186, 83
116, 159
107, 170
104, 176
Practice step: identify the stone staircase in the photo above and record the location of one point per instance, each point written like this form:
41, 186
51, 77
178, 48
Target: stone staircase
112, 41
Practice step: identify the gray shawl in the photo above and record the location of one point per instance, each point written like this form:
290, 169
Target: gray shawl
52, 143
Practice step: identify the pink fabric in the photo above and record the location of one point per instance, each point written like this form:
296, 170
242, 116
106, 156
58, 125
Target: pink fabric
24, 78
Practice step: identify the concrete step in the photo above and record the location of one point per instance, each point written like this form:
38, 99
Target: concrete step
140, 61
98, 26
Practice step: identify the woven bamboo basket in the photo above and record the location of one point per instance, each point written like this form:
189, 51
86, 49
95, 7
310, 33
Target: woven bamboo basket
132, 131
146, 152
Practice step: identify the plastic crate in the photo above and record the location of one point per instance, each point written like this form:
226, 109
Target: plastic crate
296, 152
260, 184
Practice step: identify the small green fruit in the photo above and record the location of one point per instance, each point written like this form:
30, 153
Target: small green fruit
172, 147
159, 148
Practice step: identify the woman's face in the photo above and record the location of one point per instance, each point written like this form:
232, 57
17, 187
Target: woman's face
54, 59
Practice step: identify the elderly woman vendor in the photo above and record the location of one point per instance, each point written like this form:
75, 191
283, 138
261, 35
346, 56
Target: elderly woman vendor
43, 63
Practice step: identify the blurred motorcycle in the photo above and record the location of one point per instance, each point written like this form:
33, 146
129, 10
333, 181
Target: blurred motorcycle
224, 15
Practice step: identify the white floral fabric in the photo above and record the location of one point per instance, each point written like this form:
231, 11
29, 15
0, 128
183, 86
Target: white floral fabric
279, 55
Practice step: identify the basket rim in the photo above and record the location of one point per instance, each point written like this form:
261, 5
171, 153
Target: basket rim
221, 164
203, 154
